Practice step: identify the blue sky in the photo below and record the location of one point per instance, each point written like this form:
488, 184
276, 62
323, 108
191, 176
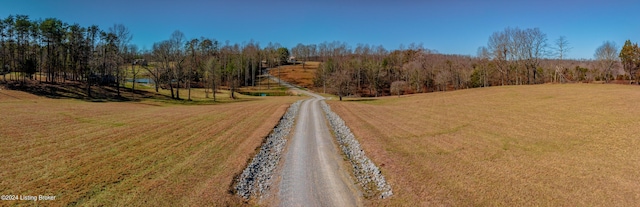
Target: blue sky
452, 27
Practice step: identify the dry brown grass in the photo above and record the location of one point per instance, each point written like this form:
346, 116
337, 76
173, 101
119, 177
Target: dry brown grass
296, 74
266, 86
542, 145
198, 95
128, 154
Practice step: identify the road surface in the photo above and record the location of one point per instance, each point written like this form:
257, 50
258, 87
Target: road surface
314, 173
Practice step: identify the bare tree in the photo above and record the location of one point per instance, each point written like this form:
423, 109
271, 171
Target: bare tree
161, 70
607, 56
133, 52
484, 55
535, 48
193, 64
498, 47
177, 56
122, 38
398, 87
562, 47
341, 82
306, 52
298, 52
416, 74
213, 74
441, 78
518, 52
208, 48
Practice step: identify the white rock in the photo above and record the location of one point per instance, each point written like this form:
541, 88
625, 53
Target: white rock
364, 169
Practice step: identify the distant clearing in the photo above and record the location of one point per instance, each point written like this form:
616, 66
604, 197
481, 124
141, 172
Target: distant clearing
539, 145
128, 154
297, 75
265, 87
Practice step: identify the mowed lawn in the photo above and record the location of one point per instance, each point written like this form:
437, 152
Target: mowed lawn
128, 154
541, 145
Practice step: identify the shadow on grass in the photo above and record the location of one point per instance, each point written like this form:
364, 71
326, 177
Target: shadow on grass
199, 102
360, 100
78, 91
104, 94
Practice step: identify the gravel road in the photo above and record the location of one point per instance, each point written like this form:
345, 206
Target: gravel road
314, 172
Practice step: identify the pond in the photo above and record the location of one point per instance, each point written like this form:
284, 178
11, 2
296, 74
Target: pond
141, 80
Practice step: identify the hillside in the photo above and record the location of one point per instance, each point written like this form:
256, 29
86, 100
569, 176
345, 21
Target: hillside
296, 74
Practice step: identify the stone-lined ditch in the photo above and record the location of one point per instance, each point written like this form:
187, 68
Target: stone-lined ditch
367, 173
256, 179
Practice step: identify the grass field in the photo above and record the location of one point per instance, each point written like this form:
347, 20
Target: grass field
541, 145
199, 95
296, 74
267, 87
128, 154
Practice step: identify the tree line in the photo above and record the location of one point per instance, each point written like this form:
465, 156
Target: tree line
512, 56
206, 63
53, 51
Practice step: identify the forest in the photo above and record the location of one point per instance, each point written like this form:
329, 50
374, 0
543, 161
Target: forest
512, 57
51, 51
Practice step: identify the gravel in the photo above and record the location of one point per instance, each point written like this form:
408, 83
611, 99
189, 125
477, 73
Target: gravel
255, 180
366, 172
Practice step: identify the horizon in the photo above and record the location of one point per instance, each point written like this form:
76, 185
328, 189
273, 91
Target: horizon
468, 25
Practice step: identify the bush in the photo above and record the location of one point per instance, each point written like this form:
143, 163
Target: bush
398, 87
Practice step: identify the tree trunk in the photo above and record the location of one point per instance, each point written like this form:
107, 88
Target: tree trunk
118, 82
157, 80
133, 87
206, 87
213, 82
232, 89
253, 75
178, 90
171, 88
88, 86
